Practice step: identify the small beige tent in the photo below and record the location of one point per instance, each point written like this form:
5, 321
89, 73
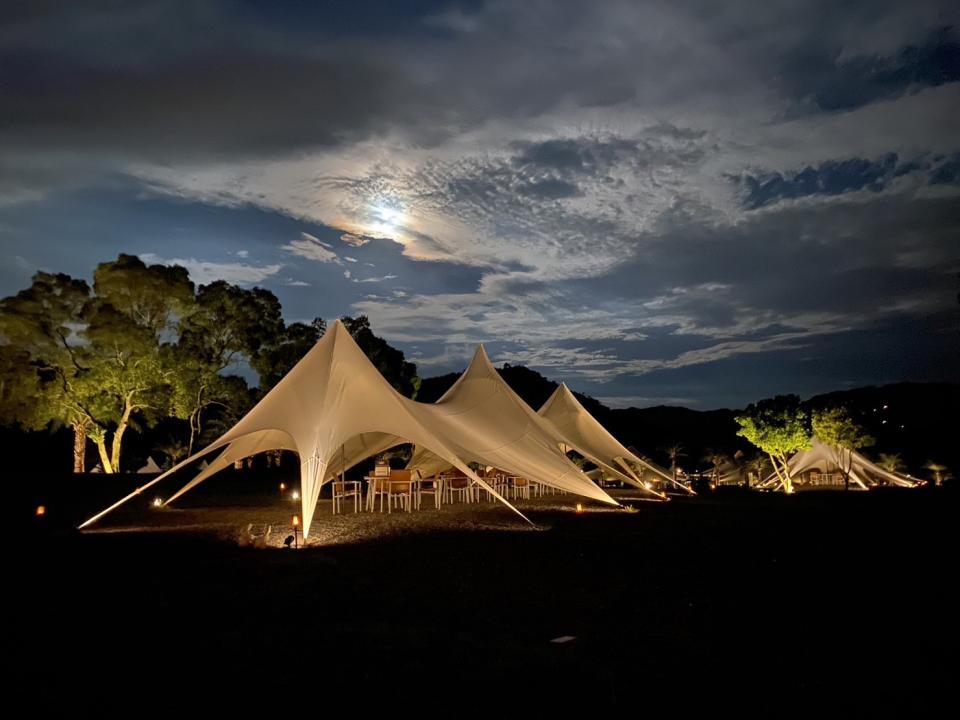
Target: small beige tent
822, 466
334, 409
149, 468
576, 429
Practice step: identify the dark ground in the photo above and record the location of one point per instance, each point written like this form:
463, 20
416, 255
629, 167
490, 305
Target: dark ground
835, 604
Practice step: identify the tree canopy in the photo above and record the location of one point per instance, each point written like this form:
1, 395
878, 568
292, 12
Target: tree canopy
778, 426
142, 345
833, 426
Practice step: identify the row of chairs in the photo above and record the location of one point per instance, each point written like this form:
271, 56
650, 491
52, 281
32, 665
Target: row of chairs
400, 488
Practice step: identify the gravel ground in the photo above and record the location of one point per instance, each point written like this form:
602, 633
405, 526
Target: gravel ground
270, 523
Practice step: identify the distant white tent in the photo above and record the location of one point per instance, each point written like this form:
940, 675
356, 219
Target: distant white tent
334, 409
491, 425
576, 429
149, 468
822, 466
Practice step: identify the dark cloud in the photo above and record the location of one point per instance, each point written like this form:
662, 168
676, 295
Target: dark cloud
947, 172
830, 178
242, 104
830, 84
843, 258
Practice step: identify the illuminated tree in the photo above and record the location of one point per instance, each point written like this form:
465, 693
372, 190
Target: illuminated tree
133, 312
675, 452
835, 427
939, 472
891, 462
779, 427
44, 361
278, 356
224, 325
716, 459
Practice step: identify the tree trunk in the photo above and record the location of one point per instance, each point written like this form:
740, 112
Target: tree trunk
115, 446
104, 457
79, 446
783, 473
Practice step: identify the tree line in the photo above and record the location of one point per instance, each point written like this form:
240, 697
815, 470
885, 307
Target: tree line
143, 344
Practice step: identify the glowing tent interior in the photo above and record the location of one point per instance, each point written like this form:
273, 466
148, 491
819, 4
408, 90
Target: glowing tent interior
822, 466
335, 409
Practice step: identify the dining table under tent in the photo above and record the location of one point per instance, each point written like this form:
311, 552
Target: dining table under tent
335, 409
822, 466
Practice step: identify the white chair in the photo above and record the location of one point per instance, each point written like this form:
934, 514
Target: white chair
519, 487
399, 488
344, 489
459, 486
430, 486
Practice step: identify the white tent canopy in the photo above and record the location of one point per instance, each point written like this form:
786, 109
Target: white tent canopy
334, 409
149, 467
491, 425
577, 429
825, 459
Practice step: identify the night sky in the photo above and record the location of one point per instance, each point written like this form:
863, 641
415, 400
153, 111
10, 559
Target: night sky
693, 203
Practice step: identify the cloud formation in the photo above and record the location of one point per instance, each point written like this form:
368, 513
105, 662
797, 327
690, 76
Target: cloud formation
621, 194
204, 272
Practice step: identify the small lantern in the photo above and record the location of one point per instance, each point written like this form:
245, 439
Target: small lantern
157, 502
41, 510
295, 521
283, 487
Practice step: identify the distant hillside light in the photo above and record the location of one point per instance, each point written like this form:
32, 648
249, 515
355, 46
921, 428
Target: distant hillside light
283, 487
296, 495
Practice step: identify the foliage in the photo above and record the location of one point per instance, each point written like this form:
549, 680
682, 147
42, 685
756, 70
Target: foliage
836, 428
891, 462
833, 426
224, 324
778, 426
277, 357
142, 345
